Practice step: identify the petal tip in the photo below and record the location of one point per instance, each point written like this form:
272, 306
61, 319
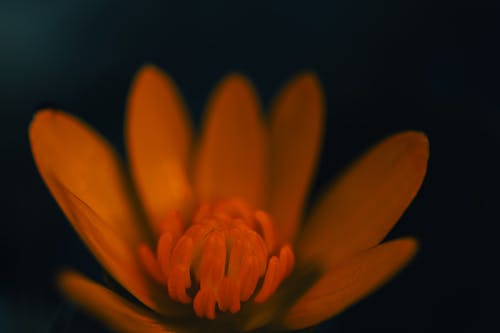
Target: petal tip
416, 145
236, 82
420, 145
234, 89
304, 93
415, 139
308, 79
63, 276
149, 73
43, 115
410, 247
43, 118
420, 137
306, 83
66, 279
148, 68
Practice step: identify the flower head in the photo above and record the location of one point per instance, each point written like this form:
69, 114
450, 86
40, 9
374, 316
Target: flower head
206, 233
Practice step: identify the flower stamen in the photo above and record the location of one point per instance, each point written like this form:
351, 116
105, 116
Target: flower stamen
150, 263
219, 259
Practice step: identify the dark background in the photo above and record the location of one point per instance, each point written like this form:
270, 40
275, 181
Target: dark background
386, 66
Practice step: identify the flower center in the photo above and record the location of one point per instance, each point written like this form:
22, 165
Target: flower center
222, 257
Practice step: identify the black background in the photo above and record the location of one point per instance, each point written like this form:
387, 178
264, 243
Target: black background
386, 66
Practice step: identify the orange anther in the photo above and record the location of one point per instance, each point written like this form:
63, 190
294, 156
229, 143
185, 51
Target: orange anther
228, 297
236, 258
204, 211
249, 276
172, 224
287, 260
233, 208
179, 278
213, 260
163, 253
183, 251
269, 281
177, 284
149, 263
267, 228
227, 249
198, 232
204, 304
258, 248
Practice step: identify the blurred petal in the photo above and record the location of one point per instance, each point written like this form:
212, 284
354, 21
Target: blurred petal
158, 138
366, 202
257, 315
232, 160
113, 310
65, 148
113, 252
296, 132
350, 281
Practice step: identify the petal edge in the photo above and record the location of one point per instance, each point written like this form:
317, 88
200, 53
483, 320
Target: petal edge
110, 308
349, 282
232, 158
367, 200
158, 139
67, 148
296, 133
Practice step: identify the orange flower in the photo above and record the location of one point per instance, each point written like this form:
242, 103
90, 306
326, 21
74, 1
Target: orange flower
208, 236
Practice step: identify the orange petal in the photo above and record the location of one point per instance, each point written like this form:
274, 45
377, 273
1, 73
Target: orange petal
82, 160
296, 132
158, 137
113, 252
117, 313
366, 202
349, 282
232, 160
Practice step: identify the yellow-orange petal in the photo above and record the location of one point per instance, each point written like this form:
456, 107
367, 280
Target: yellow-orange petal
295, 138
69, 150
113, 252
158, 138
365, 203
117, 313
232, 160
348, 282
